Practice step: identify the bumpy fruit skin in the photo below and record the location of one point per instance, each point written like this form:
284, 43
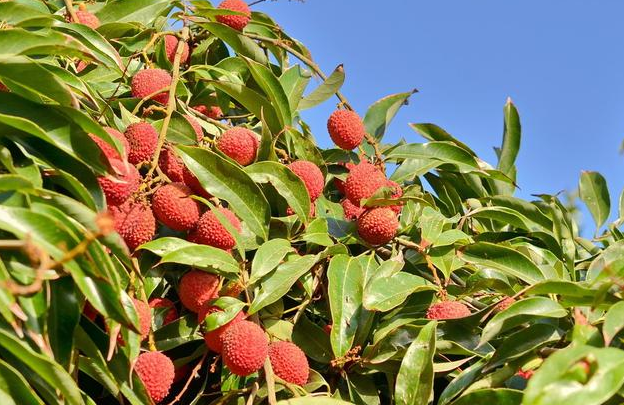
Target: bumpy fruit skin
351, 212
239, 144
447, 310
156, 371
377, 226
197, 288
211, 232
145, 317
504, 304
311, 176
148, 81
245, 348
199, 134
118, 188
171, 315
134, 222
214, 338
142, 139
340, 185
88, 19
174, 207
346, 129
107, 149
193, 182
289, 362
238, 22
398, 193
213, 111
363, 181
171, 165
171, 46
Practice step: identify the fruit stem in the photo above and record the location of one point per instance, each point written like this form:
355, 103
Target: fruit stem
171, 104
270, 380
69, 7
194, 373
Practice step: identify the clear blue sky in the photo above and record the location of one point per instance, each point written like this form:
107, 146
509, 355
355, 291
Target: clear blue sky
561, 62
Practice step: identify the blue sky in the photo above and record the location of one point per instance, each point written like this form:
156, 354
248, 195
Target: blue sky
561, 62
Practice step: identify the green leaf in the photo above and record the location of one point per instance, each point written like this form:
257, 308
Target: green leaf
140, 11
609, 263
313, 340
386, 293
345, 277
205, 258
239, 42
316, 400
323, 92
511, 140
294, 80
445, 152
317, 232
268, 256
521, 312
431, 223
414, 383
595, 194
272, 88
13, 387
433, 132
23, 15
381, 113
505, 259
63, 316
287, 184
498, 396
613, 323
277, 284
227, 181
42, 366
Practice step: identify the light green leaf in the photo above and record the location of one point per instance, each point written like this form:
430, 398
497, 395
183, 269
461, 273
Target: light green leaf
595, 194
414, 383
381, 113
268, 256
323, 92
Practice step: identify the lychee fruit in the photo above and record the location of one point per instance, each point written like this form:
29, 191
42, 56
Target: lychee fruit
211, 232
89, 312
171, 46
145, 317
193, 182
134, 222
245, 348
171, 165
398, 193
363, 181
239, 144
311, 176
237, 22
377, 226
117, 188
149, 81
143, 140
339, 184
346, 129
289, 362
311, 213
174, 207
447, 310
88, 19
199, 134
172, 313
156, 371
106, 148
3, 87
351, 212
214, 338
213, 111
197, 288
504, 304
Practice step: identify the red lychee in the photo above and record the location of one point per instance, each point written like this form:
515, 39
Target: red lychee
90, 312
346, 129
174, 207
172, 313
193, 182
447, 310
377, 226
211, 232
134, 222
504, 304
156, 371
340, 185
351, 212
363, 181
143, 140
238, 22
145, 317
88, 19
3, 87
311, 176
197, 288
289, 362
117, 188
199, 134
171, 46
149, 81
239, 144
213, 111
245, 348
214, 338
106, 148
171, 165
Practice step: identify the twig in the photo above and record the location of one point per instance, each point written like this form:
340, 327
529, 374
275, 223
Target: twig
194, 373
69, 7
421, 250
270, 380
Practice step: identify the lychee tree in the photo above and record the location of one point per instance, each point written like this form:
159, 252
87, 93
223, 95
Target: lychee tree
172, 233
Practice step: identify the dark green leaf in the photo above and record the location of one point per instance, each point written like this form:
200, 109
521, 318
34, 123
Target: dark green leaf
323, 92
